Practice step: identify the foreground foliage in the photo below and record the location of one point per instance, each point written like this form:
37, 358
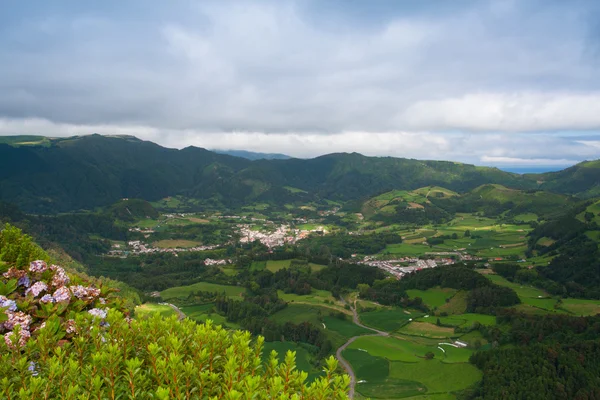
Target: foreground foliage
63, 338
154, 358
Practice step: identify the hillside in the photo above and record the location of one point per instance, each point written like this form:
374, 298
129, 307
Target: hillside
251, 155
90, 171
582, 180
495, 199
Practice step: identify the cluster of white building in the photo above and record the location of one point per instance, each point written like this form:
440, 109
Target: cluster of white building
281, 235
210, 261
414, 264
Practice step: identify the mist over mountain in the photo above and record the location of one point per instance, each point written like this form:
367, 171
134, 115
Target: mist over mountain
251, 155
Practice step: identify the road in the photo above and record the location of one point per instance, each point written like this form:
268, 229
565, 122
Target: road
180, 313
338, 353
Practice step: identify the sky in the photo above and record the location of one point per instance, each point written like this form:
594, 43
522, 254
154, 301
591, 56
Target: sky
499, 82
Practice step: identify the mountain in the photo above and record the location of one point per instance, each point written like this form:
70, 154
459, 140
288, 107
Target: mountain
50, 175
250, 155
582, 180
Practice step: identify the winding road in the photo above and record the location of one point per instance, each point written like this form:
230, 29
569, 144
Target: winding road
180, 313
339, 351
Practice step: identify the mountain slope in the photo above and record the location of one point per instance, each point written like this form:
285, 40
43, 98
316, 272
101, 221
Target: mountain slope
250, 155
582, 180
90, 171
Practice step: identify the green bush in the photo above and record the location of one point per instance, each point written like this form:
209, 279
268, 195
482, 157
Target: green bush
159, 358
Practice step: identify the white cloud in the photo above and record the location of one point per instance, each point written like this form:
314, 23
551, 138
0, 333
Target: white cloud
481, 148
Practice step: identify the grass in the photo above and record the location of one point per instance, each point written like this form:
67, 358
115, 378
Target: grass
434, 297
203, 312
276, 265
388, 320
395, 349
457, 304
258, 265
336, 330
183, 292
317, 297
394, 368
148, 309
427, 329
581, 307
463, 320
170, 243
437, 376
298, 313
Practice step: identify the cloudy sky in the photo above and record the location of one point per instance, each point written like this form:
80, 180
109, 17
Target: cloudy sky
503, 82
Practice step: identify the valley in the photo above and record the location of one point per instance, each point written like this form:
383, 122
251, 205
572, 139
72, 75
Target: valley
408, 287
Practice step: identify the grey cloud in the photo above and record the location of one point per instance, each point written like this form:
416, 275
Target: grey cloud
304, 69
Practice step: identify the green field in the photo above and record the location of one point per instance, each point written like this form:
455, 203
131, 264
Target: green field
148, 309
203, 312
276, 265
581, 307
337, 330
388, 320
391, 368
317, 297
182, 292
434, 297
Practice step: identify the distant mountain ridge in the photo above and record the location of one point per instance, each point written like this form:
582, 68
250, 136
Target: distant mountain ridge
250, 155
50, 175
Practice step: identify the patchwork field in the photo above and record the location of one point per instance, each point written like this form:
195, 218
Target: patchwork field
148, 309
389, 320
391, 368
434, 297
183, 292
203, 312
317, 297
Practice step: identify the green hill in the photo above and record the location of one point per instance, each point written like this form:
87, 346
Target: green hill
132, 210
49, 175
582, 180
495, 199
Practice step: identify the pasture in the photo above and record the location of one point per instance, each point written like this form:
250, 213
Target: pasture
427, 329
203, 312
391, 368
389, 320
316, 297
148, 309
434, 297
182, 292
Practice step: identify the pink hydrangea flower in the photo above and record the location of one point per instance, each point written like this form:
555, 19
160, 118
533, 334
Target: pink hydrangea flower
24, 335
60, 277
17, 318
14, 273
85, 293
36, 289
98, 313
38, 266
62, 294
71, 327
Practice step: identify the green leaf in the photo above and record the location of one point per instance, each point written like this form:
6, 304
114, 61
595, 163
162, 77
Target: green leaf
8, 287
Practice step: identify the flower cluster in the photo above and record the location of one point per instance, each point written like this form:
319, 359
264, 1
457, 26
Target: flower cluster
39, 290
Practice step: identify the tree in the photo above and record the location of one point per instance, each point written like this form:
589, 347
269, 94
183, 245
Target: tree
429, 355
467, 233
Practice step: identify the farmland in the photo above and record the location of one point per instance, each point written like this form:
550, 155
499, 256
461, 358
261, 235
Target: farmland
387, 367
148, 309
182, 292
